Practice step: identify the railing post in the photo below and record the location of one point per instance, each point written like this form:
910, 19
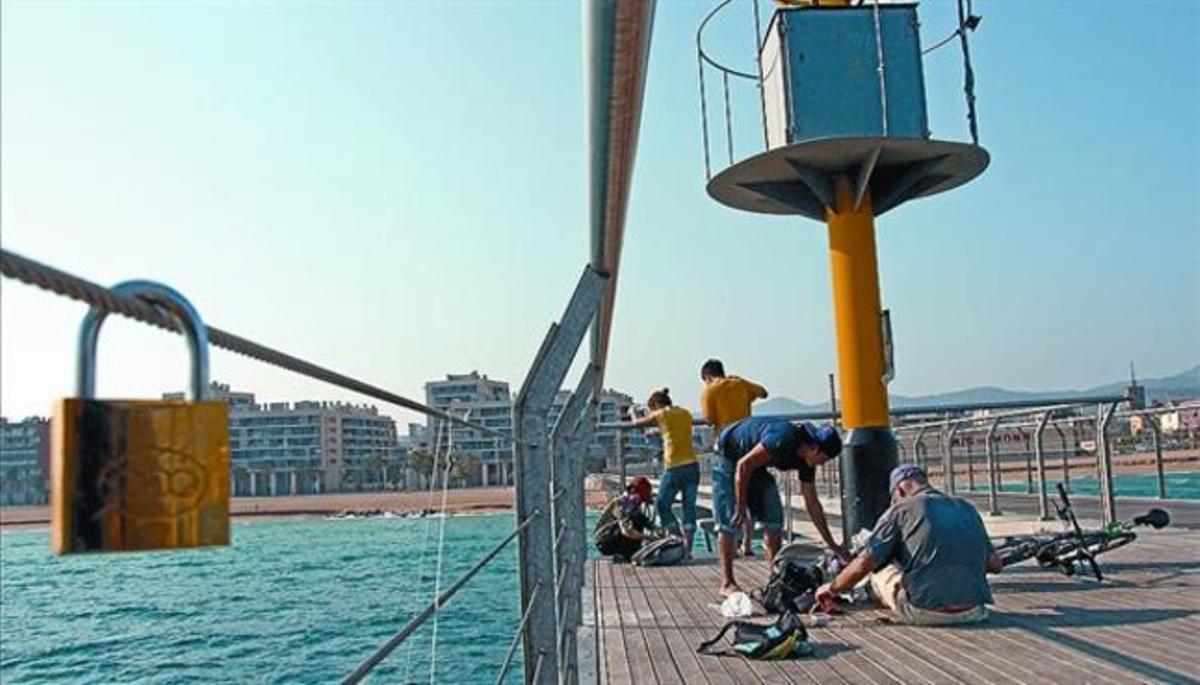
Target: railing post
1028, 462
1158, 455
1040, 454
970, 464
1066, 455
1107, 495
567, 476
993, 464
532, 461
918, 445
948, 460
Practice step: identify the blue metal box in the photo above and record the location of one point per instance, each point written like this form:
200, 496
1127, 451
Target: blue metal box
822, 76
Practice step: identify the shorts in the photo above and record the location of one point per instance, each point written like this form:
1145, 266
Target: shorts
762, 498
887, 584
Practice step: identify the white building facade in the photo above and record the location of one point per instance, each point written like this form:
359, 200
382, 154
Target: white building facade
24, 461
307, 447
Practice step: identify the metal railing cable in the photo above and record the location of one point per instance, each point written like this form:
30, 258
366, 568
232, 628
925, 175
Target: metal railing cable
701, 59
437, 578
438, 429
62, 283
516, 640
417, 621
881, 68
968, 73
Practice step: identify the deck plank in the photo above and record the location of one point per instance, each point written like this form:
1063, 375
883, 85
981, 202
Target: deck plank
1141, 625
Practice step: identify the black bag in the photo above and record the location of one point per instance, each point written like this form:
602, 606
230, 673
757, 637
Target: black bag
665, 552
610, 541
784, 639
788, 582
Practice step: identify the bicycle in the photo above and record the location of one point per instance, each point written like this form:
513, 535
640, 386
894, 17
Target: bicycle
1071, 550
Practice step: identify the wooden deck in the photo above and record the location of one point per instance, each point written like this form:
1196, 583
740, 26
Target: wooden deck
1141, 625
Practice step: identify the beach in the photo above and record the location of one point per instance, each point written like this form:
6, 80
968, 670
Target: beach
466, 500
498, 499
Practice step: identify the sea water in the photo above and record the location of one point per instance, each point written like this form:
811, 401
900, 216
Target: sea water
1179, 484
291, 601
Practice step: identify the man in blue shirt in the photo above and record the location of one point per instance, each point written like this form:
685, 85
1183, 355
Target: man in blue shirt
742, 485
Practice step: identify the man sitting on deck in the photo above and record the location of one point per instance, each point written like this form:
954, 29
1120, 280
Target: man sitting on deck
742, 484
627, 521
929, 553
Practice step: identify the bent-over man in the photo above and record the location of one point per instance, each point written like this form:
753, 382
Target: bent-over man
744, 487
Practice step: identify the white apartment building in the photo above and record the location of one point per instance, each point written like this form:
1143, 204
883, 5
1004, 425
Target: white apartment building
482, 400
24, 461
285, 448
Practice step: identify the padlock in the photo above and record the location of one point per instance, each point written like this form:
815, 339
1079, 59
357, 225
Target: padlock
140, 474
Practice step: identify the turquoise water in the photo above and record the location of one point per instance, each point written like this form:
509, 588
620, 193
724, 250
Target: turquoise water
1180, 485
291, 601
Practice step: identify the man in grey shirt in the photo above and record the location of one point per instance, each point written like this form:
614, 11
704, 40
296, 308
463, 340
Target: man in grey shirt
928, 554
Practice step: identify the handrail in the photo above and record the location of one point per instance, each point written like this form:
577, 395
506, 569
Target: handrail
47, 277
817, 415
704, 55
375, 659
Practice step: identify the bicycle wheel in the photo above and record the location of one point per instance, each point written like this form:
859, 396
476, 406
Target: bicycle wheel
1085, 552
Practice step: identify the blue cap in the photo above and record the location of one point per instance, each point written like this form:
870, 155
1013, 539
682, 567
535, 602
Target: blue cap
828, 441
902, 472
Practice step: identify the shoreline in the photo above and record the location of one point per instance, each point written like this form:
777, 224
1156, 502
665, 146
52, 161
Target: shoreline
496, 500
492, 500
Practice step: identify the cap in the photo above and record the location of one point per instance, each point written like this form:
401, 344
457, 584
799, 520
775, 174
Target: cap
828, 441
903, 472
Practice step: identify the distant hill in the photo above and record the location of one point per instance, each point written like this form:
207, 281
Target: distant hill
1184, 385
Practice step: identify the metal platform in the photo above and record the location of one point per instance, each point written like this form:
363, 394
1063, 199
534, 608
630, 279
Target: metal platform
798, 178
1141, 625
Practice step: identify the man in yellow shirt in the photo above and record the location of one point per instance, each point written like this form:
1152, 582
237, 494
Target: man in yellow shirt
724, 401
681, 471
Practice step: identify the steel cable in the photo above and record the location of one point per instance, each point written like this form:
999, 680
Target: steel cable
62, 283
411, 627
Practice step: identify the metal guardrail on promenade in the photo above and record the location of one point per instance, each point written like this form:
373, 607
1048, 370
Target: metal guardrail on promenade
947, 422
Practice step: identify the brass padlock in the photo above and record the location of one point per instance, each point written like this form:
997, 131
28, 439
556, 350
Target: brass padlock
140, 474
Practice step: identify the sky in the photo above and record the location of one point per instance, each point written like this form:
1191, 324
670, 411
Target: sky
397, 190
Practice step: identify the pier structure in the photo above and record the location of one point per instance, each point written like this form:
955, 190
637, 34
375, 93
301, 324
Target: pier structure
856, 149
846, 138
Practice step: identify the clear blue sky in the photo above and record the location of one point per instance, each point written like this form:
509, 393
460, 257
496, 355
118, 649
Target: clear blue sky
397, 190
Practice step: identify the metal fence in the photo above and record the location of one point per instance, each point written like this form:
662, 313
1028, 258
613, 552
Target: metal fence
961, 446
550, 511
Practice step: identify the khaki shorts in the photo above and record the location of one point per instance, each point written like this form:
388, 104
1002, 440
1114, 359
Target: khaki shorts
886, 585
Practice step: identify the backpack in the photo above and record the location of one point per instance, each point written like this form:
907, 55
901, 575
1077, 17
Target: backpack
789, 581
665, 552
784, 639
610, 541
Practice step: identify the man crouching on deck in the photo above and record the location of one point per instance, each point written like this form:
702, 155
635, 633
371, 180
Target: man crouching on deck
743, 486
929, 553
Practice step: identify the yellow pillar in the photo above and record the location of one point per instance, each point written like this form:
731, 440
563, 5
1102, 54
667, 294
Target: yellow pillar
856, 310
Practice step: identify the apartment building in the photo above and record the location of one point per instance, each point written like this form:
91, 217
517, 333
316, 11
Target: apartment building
24, 461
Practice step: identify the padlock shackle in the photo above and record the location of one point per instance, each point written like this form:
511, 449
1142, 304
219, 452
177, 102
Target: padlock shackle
171, 303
